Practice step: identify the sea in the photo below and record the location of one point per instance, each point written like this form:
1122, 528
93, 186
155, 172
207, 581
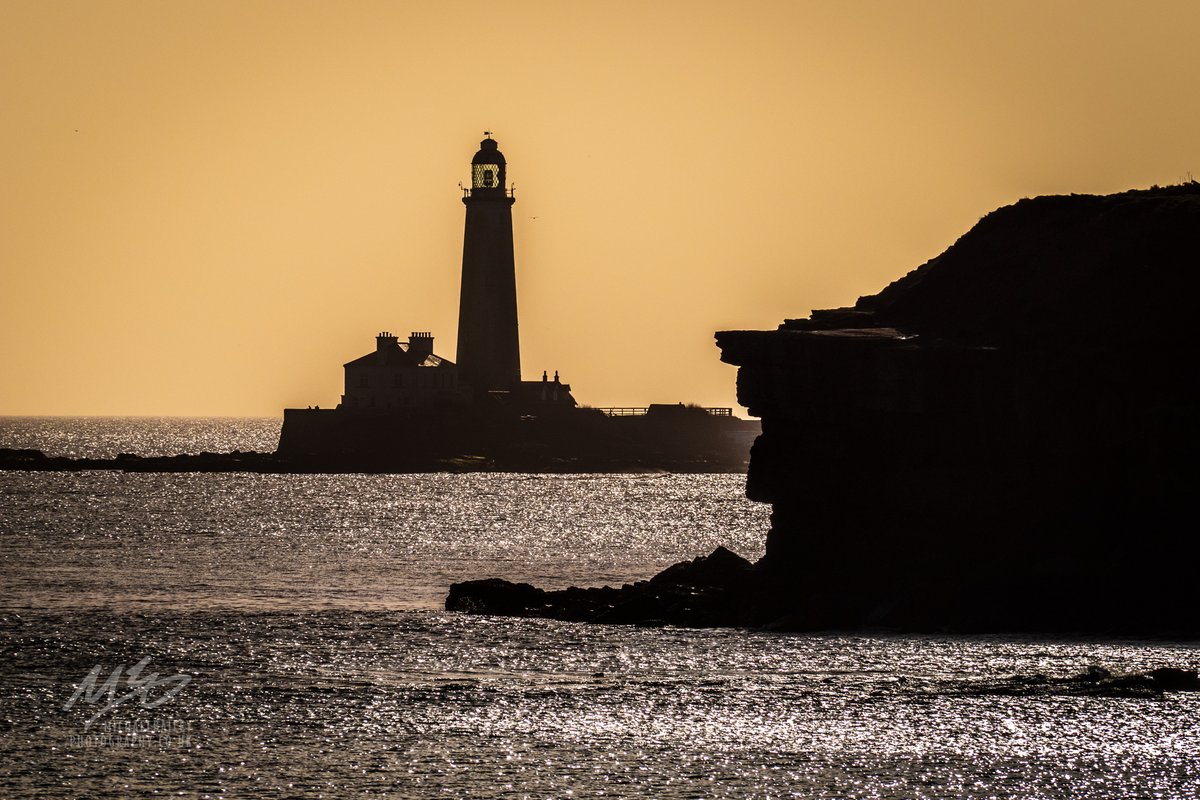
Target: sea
283, 636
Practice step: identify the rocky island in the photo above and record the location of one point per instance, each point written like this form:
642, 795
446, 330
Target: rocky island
405, 408
1004, 439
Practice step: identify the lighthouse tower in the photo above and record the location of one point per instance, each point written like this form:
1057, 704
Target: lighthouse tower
489, 355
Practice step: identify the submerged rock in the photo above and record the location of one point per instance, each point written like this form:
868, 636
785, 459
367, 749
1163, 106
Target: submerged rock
1172, 679
1094, 682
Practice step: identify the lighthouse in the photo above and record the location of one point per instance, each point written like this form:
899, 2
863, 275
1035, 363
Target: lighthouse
489, 355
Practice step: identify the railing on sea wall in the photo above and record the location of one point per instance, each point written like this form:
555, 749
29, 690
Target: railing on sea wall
623, 412
627, 411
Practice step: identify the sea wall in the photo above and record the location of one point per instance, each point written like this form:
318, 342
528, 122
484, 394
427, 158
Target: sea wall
679, 439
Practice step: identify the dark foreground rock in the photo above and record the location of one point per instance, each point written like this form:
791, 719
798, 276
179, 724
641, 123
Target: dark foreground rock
1007, 438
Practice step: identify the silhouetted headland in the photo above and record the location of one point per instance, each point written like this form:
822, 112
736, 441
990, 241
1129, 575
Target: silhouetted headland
1005, 439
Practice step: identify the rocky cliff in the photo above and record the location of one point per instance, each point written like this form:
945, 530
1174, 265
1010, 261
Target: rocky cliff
1004, 438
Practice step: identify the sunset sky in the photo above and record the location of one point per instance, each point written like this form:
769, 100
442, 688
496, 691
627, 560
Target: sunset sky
209, 207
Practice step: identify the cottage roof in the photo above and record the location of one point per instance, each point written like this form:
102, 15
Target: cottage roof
399, 356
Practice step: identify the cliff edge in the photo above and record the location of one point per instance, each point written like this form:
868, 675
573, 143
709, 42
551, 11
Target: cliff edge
1003, 439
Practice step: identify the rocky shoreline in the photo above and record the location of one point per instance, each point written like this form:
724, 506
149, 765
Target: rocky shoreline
37, 461
274, 463
723, 589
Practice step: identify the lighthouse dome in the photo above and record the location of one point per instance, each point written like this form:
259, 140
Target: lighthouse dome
489, 153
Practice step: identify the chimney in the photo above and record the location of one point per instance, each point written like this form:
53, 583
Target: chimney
420, 343
385, 341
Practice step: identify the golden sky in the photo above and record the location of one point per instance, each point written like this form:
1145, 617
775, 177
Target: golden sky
208, 207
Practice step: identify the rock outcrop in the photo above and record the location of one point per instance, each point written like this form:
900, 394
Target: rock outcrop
1003, 439
713, 590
